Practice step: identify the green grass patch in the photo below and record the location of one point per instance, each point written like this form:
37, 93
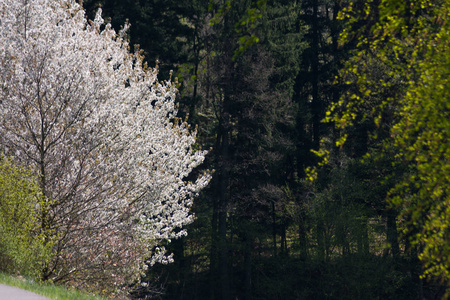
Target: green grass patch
51, 291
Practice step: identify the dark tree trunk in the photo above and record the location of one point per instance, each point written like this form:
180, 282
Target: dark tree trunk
315, 102
222, 218
320, 232
303, 241
248, 267
274, 230
392, 234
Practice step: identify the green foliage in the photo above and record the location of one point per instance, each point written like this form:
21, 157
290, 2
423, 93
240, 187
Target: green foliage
408, 47
422, 135
23, 245
246, 22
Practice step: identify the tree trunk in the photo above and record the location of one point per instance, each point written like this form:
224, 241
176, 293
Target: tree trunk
248, 267
392, 234
222, 218
315, 103
320, 231
274, 230
302, 240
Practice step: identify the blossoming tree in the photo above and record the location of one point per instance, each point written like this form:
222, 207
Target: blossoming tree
101, 133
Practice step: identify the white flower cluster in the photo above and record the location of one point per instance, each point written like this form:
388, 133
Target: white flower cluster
101, 131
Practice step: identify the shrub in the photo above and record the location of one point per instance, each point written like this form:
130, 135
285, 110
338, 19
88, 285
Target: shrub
24, 247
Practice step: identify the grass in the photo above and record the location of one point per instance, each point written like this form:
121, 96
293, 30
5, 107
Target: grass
48, 290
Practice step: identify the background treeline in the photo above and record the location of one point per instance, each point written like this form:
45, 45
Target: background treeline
258, 78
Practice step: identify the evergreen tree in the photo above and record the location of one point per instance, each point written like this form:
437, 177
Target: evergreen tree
160, 28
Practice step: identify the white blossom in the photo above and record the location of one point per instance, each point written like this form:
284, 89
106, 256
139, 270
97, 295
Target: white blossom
100, 130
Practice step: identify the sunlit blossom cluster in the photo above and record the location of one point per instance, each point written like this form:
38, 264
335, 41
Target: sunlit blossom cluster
102, 134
